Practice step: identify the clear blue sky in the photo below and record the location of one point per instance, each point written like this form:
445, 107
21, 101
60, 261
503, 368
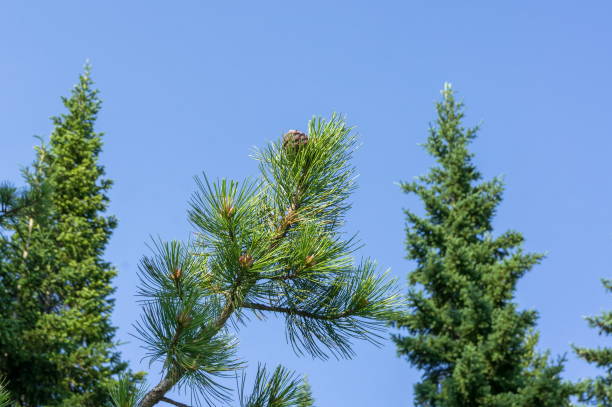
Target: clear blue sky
191, 86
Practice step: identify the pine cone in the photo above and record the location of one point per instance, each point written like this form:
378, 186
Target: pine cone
294, 139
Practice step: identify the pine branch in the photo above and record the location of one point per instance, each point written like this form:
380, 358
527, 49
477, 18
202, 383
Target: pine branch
5, 397
288, 220
176, 403
271, 241
7, 213
281, 388
301, 313
158, 392
176, 373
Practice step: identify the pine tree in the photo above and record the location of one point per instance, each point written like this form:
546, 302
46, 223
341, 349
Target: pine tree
15, 202
598, 391
269, 246
465, 333
62, 350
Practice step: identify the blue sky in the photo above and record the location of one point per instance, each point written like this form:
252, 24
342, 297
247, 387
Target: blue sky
192, 86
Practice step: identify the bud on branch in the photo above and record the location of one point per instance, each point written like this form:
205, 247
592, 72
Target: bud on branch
246, 261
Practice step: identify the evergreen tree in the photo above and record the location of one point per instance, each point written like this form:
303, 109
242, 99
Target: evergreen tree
464, 330
270, 246
23, 219
60, 350
598, 391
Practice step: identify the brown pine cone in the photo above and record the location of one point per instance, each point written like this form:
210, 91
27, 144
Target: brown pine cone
294, 139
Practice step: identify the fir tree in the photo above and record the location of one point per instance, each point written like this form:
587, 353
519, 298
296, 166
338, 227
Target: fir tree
61, 351
465, 333
598, 391
269, 246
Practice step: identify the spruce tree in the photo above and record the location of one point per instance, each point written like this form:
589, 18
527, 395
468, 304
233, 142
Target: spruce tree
464, 331
61, 349
268, 246
598, 391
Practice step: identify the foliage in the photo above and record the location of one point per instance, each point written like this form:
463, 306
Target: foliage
271, 245
124, 393
465, 333
281, 389
305, 394
16, 202
57, 341
598, 391
5, 397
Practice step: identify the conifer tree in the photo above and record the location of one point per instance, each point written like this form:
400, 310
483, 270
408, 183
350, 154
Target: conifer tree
60, 349
268, 246
28, 373
464, 330
598, 391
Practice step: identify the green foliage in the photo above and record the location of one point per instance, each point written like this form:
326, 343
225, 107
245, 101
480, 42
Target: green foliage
124, 393
280, 389
598, 391
5, 397
464, 330
270, 245
175, 324
305, 394
15, 202
22, 228
57, 341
